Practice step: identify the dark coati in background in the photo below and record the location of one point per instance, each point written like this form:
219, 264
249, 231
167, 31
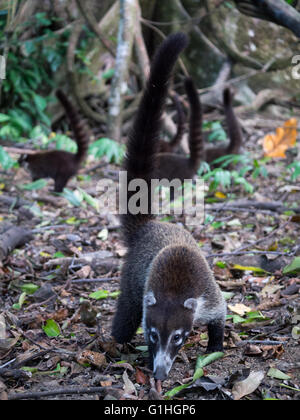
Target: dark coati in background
173, 145
234, 129
173, 166
60, 165
166, 282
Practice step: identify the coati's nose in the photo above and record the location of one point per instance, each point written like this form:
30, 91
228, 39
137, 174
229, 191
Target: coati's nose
160, 373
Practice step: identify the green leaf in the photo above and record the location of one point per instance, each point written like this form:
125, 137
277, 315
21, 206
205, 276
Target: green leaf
293, 268
5, 160
34, 186
277, 374
112, 150
100, 294
29, 288
20, 302
202, 361
4, 118
250, 268
89, 199
51, 328
74, 199
104, 294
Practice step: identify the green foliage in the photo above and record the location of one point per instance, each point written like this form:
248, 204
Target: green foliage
104, 147
225, 178
51, 329
30, 68
295, 170
6, 162
216, 130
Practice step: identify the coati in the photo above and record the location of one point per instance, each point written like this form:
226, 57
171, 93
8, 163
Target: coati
166, 282
172, 166
170, 147
60, 165
234, 129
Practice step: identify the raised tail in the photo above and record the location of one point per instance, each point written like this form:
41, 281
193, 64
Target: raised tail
78, 125
143, 142
180, 122
234, 129
196, 144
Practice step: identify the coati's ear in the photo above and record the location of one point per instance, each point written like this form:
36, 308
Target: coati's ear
191, 304
149, 299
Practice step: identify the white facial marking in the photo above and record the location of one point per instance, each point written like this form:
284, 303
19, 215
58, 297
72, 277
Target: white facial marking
162, 359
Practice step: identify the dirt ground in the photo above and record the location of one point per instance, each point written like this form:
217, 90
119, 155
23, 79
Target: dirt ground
46, 288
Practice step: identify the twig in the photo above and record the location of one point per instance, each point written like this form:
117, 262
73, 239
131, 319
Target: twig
104, 280
62, 391
91, 21
230, 254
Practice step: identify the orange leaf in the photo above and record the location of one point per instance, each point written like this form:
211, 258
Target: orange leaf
275, 145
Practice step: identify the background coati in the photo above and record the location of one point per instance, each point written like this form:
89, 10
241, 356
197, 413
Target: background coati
166, 282
60, 165
234, 129
172, 146
172, 166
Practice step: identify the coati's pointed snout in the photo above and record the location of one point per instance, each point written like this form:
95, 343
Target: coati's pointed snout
160, 374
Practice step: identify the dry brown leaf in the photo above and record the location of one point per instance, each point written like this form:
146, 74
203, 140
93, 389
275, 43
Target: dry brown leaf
275, 145
239, 309
248, 385
140, 377
96, 359
129, 388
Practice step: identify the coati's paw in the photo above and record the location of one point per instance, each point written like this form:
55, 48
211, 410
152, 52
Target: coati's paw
214, 348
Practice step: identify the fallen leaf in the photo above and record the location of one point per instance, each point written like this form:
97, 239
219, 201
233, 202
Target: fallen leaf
129, 388
277, 374
140, 377
248, 385
275, 145
92, 357
239, 309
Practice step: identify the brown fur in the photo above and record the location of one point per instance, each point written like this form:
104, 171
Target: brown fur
60, 165
164, 271
173, 145
234, 132
172, 166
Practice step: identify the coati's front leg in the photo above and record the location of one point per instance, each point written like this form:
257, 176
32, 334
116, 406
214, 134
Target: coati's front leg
215, 335
126, 320
60, 183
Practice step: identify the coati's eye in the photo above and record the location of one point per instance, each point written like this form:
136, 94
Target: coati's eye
154, 337
177, 339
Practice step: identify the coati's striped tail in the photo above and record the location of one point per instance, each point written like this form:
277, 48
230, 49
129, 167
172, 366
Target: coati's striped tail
180, 123
142, 145
78, 125
234, 129
196, 143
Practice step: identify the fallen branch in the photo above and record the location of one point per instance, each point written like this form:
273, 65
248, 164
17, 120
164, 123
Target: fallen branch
69, 391
12, 238
19, 151
104, 280
258, 205
14, 202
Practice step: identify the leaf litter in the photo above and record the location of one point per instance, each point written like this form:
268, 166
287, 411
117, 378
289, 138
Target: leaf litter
58, 295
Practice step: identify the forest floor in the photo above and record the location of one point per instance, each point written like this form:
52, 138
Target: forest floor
55, 313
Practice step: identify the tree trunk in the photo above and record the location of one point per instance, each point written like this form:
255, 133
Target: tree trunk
128, 21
